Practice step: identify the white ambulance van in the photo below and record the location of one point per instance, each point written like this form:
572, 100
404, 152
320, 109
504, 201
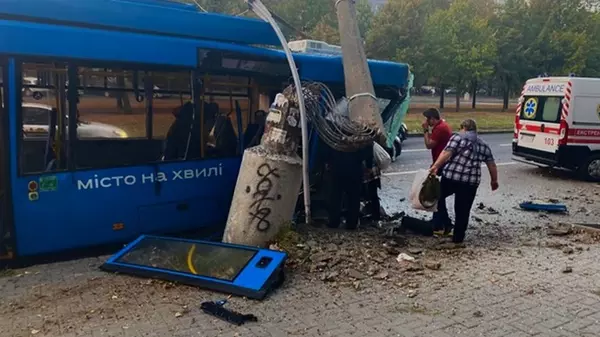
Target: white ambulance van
557, 124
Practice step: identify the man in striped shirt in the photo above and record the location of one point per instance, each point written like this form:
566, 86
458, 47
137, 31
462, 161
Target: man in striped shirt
461, 174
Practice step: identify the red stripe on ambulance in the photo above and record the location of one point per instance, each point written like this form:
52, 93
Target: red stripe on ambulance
538, 128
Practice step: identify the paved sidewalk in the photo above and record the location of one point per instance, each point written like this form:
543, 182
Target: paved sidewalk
511, 291
512, 281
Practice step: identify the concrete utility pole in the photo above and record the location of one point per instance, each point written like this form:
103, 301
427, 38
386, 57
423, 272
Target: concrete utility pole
359, 85
269, 180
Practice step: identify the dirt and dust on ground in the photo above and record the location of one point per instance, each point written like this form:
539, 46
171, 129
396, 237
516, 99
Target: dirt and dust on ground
377, 257
384, 254
53, 309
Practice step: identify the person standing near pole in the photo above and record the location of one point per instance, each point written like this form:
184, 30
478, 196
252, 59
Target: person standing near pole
437, 133
347, 171
371, 183
461, 174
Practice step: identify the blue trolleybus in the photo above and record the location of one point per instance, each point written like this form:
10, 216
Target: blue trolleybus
129, 117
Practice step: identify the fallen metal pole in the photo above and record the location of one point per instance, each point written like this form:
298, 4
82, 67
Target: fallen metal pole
259, 8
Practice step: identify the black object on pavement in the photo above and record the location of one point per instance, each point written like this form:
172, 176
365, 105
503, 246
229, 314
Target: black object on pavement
216, 309
417, 226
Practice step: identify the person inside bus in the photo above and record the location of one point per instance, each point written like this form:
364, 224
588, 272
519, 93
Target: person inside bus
255, 131
437, 133
460, 163
184, 136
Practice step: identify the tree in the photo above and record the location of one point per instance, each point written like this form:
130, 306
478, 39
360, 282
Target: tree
513, 62
461, 45
319, 18
219, 6
397, 32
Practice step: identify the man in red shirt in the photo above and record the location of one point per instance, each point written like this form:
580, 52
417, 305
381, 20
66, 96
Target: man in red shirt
440, 133
437, 133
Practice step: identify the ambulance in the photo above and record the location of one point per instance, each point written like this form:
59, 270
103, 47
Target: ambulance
557, 124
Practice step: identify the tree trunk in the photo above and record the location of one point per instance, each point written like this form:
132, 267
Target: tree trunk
442, 93
474, 100
505, 95
123, 103
458, 99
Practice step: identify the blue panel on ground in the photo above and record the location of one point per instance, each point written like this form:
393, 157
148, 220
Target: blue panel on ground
239, 270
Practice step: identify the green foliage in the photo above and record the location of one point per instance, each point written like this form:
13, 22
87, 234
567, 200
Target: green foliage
456, 42
460, 44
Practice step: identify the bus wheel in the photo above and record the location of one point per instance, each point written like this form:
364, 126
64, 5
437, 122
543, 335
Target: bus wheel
591, 169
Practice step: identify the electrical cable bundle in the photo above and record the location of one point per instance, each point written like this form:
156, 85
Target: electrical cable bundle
334, 128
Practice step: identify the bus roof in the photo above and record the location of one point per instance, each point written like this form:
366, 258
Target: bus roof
148, 16
180, 29
329, 69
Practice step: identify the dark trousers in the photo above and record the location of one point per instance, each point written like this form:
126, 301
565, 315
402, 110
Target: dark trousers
441, 221
372, 197
464, 196
349, 186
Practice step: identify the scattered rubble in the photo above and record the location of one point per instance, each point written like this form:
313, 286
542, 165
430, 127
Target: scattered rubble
433, 265
568, 250
352, 273
381, 275
405, 257
559, 230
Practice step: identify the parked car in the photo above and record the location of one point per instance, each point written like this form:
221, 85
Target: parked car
36, 120
36, 93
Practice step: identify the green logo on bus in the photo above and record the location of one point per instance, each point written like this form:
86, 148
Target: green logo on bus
48, 183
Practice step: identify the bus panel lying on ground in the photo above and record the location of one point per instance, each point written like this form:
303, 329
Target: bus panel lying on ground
239, 270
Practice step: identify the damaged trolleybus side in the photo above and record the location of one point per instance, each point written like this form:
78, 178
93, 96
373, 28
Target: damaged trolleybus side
116, 124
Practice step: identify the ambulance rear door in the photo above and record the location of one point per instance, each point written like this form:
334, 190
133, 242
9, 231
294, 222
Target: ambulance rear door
540, 115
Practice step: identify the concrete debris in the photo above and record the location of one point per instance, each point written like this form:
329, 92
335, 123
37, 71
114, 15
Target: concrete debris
415, 251
381, 275
568, 250
355, 274
559, 230
433, 265
330, 277
405, 257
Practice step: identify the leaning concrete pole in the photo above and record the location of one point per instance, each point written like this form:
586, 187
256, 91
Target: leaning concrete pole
269, 180
363, 107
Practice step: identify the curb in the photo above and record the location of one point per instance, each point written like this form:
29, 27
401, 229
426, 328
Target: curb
483, 132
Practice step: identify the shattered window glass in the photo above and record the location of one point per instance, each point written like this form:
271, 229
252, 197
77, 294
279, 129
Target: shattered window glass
206, 260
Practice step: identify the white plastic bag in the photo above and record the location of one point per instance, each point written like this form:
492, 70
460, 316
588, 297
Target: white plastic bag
415, 190
382, 158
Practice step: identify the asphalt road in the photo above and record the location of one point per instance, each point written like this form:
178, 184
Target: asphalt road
415, 156
518, 182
